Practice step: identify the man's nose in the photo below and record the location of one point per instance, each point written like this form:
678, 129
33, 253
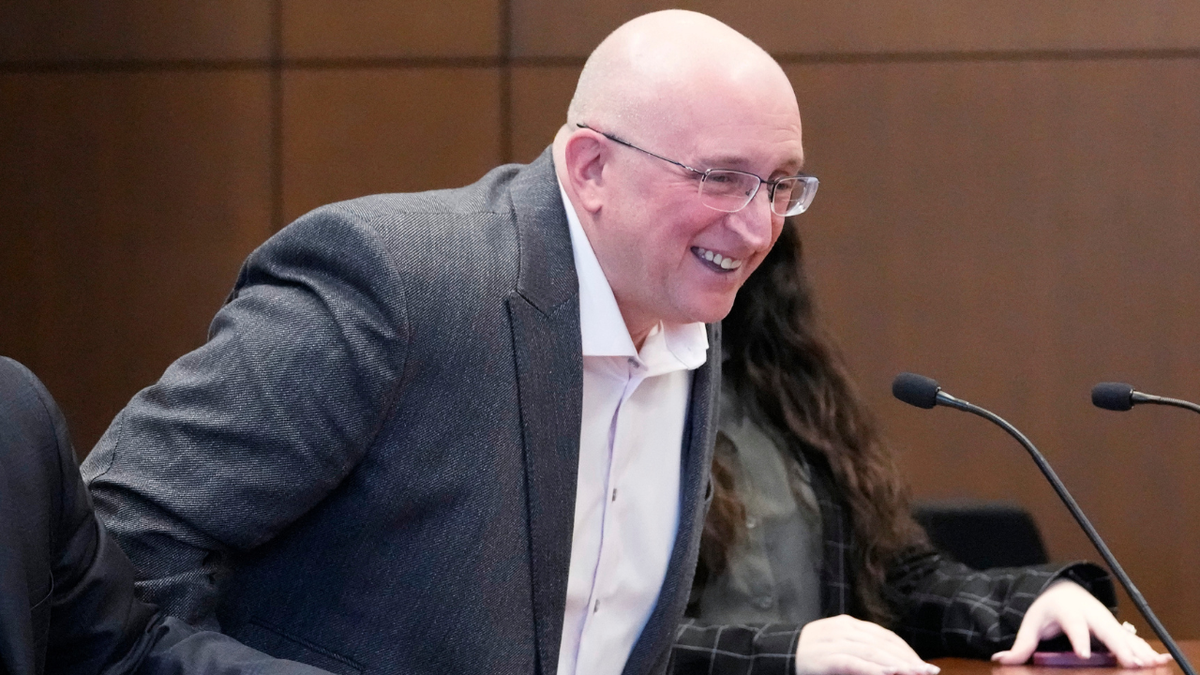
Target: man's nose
755, 223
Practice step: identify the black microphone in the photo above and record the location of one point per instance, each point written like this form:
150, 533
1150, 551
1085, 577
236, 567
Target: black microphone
924, 392
1120, 397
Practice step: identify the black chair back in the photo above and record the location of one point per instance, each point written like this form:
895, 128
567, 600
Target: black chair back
983, 534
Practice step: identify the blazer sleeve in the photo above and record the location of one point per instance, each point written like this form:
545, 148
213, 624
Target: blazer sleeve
734, 649
944, 608
244, 435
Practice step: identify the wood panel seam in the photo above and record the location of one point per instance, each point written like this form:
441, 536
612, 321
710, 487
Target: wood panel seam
405, 62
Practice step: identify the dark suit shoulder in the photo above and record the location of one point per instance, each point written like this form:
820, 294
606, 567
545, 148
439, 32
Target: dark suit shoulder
24, 400
35, 449
38, 464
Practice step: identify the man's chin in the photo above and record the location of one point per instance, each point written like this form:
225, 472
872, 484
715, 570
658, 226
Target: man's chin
712, 310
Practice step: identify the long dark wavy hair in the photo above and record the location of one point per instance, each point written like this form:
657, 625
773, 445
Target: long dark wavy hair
783, 364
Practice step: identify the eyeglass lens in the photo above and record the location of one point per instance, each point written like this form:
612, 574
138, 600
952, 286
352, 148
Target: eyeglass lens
733, 190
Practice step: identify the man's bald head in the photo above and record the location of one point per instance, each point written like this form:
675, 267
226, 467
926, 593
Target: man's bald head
667, 100
648, 74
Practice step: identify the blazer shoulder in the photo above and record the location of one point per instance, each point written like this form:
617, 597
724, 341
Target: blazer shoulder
457, 228
489, 194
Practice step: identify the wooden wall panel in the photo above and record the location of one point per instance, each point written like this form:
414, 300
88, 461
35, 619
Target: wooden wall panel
383, 29
574, 27
1007, 202
129, 202
80, 30
355, 132
1021, 231
540, 96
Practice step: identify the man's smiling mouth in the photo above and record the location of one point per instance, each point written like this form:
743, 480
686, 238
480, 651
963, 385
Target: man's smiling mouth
716, 260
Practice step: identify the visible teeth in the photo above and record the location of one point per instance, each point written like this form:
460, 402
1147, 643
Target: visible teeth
724, 262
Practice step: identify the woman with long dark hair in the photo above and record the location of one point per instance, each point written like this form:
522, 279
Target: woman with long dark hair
811, 561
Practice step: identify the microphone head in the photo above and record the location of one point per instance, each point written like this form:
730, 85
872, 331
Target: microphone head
1112, 396
916, 390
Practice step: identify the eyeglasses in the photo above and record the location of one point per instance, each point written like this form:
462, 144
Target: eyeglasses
731, 190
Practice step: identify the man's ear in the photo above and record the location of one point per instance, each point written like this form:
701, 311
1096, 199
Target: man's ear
585, 157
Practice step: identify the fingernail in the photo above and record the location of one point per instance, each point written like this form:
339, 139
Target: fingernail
932, 669
1139, 663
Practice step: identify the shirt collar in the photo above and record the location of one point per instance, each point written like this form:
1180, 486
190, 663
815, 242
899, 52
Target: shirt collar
600, 322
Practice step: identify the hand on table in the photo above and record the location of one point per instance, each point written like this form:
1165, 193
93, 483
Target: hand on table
843, 645
1066, 607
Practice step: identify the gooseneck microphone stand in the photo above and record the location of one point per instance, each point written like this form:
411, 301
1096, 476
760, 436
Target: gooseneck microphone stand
1120, 397
924, 392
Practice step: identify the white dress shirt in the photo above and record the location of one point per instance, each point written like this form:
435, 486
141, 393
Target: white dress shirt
627, 500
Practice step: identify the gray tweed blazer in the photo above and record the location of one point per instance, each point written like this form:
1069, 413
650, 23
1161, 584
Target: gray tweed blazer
371, 464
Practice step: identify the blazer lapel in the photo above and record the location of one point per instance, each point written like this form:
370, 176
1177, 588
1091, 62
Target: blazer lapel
836, 593
544, 314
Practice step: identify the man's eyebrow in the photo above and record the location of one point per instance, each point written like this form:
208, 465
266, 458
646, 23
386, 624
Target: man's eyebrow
723, 162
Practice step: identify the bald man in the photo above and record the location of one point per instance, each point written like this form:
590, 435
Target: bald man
470, 430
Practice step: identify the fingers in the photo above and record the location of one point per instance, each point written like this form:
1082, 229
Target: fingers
878, 636
1068, 608
1078, 613
855, 659
877, 632
1075, 627
1162, 659
1025, 643
848, 664
1006, 658
843, 645
887, 661
1143, 652
1131, 651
